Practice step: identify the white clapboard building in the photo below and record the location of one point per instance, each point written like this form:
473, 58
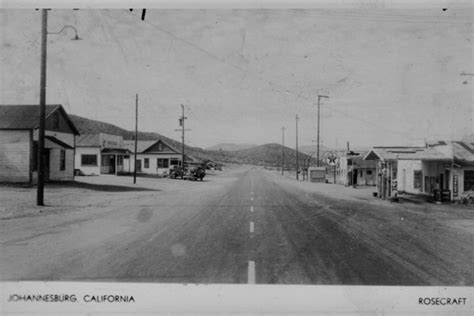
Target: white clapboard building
19, 143
100, 153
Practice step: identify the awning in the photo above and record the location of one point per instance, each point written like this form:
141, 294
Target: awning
54, 142
116, 151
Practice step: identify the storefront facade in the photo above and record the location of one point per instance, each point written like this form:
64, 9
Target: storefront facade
100, 154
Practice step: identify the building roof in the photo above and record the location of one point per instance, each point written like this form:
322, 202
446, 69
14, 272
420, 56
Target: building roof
26, 117
463, 152
142, 145
88, 140
405, 153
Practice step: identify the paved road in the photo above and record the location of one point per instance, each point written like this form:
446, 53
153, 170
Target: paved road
244, 226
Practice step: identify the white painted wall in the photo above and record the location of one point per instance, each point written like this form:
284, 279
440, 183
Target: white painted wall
54, 165
88, 170
129, 166
406, 176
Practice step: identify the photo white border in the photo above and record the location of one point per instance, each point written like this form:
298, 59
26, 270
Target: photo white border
226, 299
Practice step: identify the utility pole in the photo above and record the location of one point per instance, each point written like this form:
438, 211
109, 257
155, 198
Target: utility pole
41, 166
319, 122
182, 135
182, 129
136, 139
42, 103
282, 149
297, 164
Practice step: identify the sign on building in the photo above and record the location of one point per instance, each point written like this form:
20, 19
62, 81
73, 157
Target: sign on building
317, 174
332, 159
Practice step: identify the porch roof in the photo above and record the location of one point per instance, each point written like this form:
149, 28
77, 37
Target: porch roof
119, 151
57, 142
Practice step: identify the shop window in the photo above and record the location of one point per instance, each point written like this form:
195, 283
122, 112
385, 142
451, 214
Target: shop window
88, 160
62, 160
163, 163
417, 178
174, 161
468, 180
146, 163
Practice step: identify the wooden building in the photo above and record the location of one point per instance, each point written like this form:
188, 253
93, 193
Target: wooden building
353, 170
415, 170
153, 157
19, 143
100, 153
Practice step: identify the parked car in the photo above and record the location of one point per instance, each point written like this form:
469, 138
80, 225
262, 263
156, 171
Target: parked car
176, 172
195, 172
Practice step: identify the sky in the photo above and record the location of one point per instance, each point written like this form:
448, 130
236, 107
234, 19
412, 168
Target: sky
393, 76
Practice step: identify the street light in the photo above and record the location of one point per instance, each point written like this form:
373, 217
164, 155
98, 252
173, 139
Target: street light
44, 39
76, 37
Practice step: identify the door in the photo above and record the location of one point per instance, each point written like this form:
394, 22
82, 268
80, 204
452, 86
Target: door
111, 164
446, 179
139, 165
354, 180
370, 177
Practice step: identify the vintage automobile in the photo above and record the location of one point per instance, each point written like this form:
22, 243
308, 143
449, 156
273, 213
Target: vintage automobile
195, 172
176, 172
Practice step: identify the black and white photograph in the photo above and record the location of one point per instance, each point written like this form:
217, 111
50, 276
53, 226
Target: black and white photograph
325, 146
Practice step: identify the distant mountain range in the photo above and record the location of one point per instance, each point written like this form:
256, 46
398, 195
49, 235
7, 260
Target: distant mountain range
269, 155
230, 147
263, 155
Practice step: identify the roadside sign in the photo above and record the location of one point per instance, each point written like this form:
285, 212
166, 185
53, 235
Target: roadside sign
332, 159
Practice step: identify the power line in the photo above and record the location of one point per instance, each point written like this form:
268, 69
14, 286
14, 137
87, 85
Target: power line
275, 86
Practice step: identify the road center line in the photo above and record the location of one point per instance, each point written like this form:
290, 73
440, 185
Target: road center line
251, 227
251, 209
251, 273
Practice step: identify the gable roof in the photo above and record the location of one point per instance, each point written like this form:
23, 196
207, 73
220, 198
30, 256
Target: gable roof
144, 145
405, 153
463, 152
26, 117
